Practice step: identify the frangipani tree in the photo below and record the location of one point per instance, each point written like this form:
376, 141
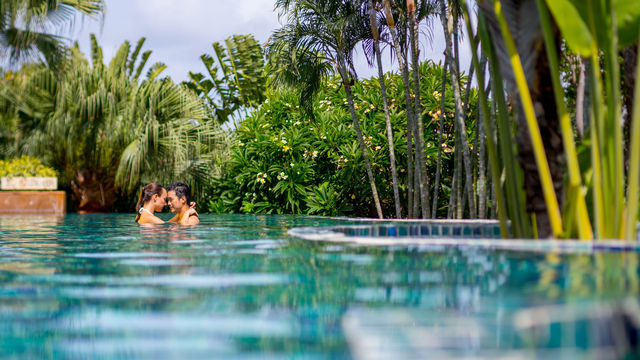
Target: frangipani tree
329, 30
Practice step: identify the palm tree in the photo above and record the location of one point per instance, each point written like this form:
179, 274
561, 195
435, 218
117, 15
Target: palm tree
235, 81
403, 28
330, 29
400, 52
436, 185
107, 132
460, 113
375, 34
529, 40
421, 164
27, 28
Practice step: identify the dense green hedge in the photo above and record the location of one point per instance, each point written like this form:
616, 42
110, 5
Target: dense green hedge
25, 166
285, 162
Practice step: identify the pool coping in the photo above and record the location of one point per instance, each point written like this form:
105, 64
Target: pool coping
329, 234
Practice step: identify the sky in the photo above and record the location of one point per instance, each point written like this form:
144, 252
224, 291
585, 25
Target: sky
178, 32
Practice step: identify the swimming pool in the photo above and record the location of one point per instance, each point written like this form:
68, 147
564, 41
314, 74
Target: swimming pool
237, 286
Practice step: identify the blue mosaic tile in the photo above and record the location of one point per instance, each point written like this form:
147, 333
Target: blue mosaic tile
382, 231
477, 231
402, 231
424, 230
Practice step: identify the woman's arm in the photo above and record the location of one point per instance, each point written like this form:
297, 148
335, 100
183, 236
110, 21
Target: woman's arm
190, 217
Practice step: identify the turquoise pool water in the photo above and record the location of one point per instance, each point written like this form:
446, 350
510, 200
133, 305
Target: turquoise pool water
236, 286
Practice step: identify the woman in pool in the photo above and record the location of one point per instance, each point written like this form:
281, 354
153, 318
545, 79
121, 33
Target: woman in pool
179, 200
153, 197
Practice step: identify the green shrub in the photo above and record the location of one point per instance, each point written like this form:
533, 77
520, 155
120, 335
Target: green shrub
325, 200
284, 162
25, 166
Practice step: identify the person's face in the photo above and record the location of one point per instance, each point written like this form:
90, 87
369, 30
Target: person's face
159, 201
174, 202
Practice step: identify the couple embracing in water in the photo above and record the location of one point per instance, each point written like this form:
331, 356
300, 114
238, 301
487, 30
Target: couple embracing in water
154, 197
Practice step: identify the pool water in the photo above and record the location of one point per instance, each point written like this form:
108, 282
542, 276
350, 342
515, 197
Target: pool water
237, 286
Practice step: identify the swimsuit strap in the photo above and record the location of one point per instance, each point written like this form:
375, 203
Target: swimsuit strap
143, 209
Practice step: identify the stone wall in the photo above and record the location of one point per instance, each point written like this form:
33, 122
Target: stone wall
50, 202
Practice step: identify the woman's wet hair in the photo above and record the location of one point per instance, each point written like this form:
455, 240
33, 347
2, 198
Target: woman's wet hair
146, 193
182, 191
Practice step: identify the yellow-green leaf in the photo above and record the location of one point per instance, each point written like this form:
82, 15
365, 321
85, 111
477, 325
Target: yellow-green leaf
628, 16
572, 25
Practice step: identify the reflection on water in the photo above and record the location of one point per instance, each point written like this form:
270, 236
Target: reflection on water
25, 239
99, 286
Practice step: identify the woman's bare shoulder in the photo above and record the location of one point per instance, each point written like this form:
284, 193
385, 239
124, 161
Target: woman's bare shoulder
147, 219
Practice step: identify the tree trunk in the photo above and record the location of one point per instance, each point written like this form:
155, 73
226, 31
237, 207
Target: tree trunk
459, 193
409, 108
460, 111
363, 147
421, 164
436, 188
91, 193
580, 99
416, 178
383, 91
482, 169
451, 208
530, 46
629, 61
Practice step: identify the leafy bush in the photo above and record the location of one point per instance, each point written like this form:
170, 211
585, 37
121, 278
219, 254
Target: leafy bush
284, 162
25, 166
107, 130
325, 200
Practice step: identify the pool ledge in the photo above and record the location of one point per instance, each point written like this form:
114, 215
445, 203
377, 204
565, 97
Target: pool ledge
337, 234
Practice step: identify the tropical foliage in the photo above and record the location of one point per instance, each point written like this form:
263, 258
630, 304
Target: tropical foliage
284, 161
557, 120
107, 132
24, 166
235, 82
28, 29
596, 32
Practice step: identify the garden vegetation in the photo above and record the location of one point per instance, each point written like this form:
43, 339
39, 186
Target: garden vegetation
548, 143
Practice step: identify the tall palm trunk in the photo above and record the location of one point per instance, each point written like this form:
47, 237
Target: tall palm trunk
452, 193
409, 108
421, 164
356, 125
436, 186
459, 192
467, 106
580, 98
629, 61
383, 91
416, 177
530, 47
482, 183
460, 111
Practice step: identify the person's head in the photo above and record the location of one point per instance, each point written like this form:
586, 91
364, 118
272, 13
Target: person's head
178, 197
153, 197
